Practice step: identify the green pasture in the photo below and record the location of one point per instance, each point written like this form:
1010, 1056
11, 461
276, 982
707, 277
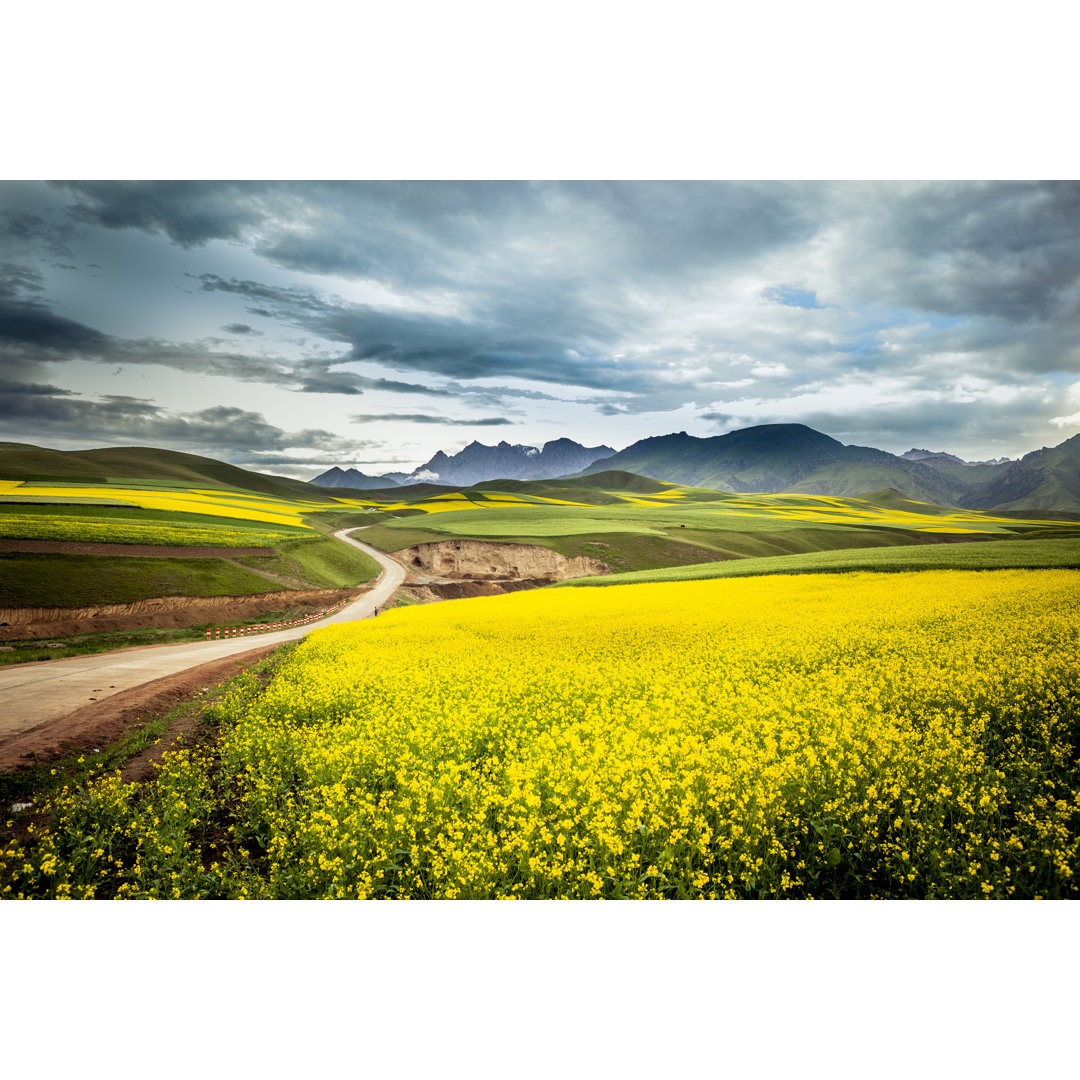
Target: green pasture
34, 580
322, 563
1034, 554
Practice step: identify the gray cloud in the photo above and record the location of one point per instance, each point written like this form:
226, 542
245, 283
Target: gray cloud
1003, 251
33, 410
15, 386
436, 232
31, 332
324, 459
240, 328
500, 345
25, 324
22, 232
189, 213
422, 418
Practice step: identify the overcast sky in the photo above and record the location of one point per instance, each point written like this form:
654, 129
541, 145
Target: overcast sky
288, 327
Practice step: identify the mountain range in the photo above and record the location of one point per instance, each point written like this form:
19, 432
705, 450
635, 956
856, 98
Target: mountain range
796, 458
477, 463
355, 479
769, 458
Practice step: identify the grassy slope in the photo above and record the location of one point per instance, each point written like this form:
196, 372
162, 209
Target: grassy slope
980, 555
324, 562
79, 580
33, 580
21, 461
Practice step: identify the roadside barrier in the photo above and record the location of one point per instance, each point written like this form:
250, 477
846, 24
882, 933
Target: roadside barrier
220, 632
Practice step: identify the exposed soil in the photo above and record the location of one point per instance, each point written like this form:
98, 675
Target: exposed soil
100, 723
430, 591
167, 612
483, 560
145, 551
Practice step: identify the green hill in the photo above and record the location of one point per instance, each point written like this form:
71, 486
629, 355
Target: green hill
774, 458
795, 458
22, 461
1047, 479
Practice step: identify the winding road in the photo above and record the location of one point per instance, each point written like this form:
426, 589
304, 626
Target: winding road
38, 693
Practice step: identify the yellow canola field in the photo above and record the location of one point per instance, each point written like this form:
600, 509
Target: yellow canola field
439, 504
208, 501
855, 735
834, 511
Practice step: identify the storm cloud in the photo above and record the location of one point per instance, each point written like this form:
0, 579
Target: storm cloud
422, 418
25, 407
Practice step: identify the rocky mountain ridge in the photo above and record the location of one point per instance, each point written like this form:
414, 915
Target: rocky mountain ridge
478, 462
772, 458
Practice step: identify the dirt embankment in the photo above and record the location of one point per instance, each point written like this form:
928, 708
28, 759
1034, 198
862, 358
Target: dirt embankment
432, 591
509, 564
18, 624
143, 551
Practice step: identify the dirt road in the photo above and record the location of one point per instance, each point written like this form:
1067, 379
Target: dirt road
39, 695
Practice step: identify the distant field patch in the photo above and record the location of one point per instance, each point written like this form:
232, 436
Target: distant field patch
673, 508
84, 528
212, 502
981, 555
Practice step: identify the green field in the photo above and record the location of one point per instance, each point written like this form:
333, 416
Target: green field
300, 559
981, 555
117, 525
673, 527
79, 580
323, 562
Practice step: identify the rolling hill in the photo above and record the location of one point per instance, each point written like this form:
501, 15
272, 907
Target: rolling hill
1047, 479
22, 461
776, 457
796, 458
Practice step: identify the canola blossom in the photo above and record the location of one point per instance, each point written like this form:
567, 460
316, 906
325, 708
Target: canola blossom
860, 735
215, 502
86, 529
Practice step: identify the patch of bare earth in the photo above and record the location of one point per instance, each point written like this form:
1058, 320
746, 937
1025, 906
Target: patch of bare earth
459, 569
485, 560
166, 612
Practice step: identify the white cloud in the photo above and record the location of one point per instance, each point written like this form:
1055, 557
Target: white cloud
1066, 421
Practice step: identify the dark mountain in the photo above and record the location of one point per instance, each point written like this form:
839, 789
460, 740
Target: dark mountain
777, 457
793, 457
478, 462
352, 478
1046, 479
931, 455
940, 457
